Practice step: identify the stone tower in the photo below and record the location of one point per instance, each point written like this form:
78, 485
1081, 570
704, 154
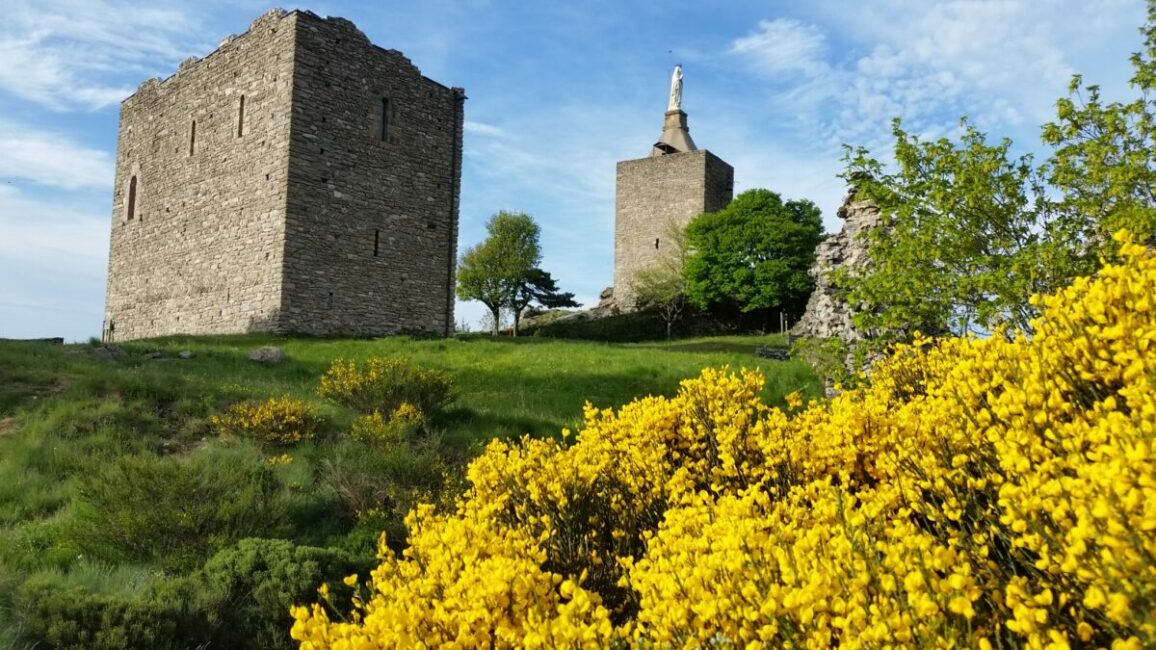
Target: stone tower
297, 179
654, 195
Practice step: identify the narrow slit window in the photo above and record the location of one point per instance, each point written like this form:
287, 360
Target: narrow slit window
376, 241
193, 138
656, 243
130, 209
241, 117
384, 124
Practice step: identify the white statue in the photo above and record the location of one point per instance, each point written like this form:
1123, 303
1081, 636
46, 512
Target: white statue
675, 89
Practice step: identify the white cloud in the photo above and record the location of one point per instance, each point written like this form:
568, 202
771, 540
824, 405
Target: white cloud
483, 129
557, 163
1002, 62
52, 160
53, 255
784, 46
53, 233
774, 97
86, 54
565, 152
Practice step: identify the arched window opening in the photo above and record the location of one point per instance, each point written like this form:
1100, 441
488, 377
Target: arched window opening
130, 208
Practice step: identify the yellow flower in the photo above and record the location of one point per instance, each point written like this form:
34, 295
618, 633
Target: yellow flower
280, 421
972, 491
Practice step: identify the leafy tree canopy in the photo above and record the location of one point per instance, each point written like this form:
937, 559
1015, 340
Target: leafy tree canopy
974, 231
1104, 155
967, 238
753, 254
493, 271
540, 287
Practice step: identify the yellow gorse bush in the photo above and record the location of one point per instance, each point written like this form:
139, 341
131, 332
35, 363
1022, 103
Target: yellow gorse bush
405, 421
978, 493
278, 420
385, 384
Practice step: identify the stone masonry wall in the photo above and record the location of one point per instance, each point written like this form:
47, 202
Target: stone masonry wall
202, 250
655, 194
827, 314
372, 221
291, 214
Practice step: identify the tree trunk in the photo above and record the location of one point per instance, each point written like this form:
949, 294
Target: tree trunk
495, 313
517, 319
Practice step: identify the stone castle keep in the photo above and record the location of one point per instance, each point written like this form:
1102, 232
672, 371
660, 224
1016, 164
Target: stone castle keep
297, 179
654, 195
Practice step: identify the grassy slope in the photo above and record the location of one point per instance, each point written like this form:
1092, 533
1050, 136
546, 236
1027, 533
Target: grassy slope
66, 413
61, 408
505, 387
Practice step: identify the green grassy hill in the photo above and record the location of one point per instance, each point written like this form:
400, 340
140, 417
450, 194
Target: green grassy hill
122, 509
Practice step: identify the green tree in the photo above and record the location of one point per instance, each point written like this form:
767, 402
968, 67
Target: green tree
493, 271
966, 238
1104, 155
662, 287
973, 232
753, 254
539, 287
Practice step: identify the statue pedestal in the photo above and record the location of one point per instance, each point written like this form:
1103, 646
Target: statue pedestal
675, 136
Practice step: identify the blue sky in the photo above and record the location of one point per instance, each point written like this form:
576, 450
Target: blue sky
558, 92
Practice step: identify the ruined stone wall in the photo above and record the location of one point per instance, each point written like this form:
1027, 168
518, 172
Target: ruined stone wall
291, 213
827, 314
202, 250
372, 215
654, 195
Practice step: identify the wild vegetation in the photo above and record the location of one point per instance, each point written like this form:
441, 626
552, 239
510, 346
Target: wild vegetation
754, 254
981, 493
975, 492
153, 501
973, 230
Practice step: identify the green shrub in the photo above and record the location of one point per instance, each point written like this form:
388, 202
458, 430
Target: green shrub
27, 493
259, 579
279, 421
76, 618
97, 607
80, 418
385, 383
624, 328
38, 544
240, 599
313, 515
176, 511
369, 480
